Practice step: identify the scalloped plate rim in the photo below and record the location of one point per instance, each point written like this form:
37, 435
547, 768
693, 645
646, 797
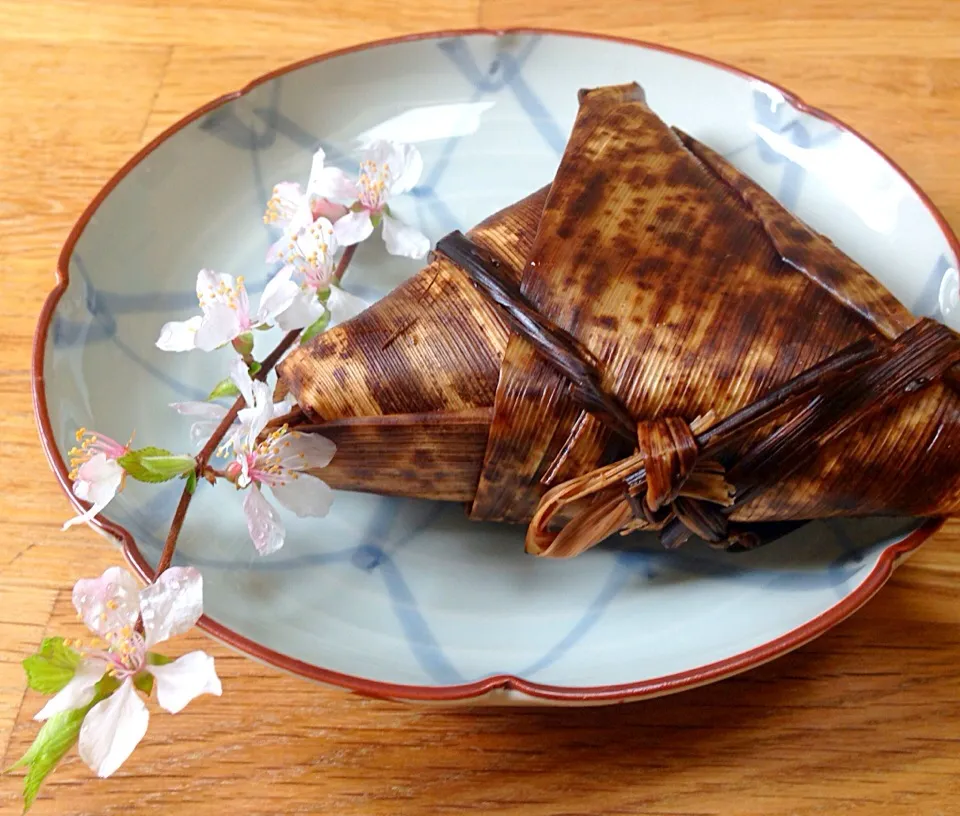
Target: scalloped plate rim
510, 688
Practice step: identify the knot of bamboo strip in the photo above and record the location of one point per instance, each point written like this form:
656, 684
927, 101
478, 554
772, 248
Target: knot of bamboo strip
663, 483
670, 456
669, 451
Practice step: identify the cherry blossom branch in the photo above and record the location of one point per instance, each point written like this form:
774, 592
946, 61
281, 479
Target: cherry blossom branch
203, 458
176, 524
344, 262
106, 715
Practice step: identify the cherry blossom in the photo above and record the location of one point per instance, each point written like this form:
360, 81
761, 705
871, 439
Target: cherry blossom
310, 257
342, 305
387, 170
110, 606
99, 685
226, 311
208, 415
310, 254
279, 462
292, 210
96, 475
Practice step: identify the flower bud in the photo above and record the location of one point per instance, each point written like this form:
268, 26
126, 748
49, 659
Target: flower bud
243, 344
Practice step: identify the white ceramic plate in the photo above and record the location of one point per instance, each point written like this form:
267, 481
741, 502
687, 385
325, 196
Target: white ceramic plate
408, 599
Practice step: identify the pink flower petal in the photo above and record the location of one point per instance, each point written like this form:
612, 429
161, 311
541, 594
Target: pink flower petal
343, 306
403, 164
305, 451
242, 304
332, 182
201, 431
305, 495
184, 679
381, 152
406, 167
284, 204
316, 242
112, 729
303, 311
179, 336
263, 522
404, 240
353, 228
313, 254
254, 418
277, 248
209, 413
325, 208
171, 605
77, 693
98, 481
317, 164
108, 603
204, 410
221, 323
211, 285
84, 518
277, 296
285, 406
240, 376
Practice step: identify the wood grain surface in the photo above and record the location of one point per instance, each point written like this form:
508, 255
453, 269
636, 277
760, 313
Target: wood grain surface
865, 720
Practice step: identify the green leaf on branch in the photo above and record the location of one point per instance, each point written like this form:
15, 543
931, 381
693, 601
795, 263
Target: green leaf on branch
317, 327
155, 464
51, 668
225, 388
131, 463
228, 388
57, 736
192, 482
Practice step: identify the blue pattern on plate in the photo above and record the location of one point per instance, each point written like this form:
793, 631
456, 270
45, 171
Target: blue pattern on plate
98, 307
505, 70
771, 112
622, 573
928, 304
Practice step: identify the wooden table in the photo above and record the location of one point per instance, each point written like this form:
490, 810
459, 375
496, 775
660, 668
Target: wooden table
863, 721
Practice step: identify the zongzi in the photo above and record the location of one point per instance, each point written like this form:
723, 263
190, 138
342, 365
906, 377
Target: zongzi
651, 342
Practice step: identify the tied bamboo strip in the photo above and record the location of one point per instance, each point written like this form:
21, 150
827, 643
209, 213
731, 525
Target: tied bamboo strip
824, 404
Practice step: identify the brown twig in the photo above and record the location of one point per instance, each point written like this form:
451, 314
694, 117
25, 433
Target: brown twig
202, 458
344, 262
